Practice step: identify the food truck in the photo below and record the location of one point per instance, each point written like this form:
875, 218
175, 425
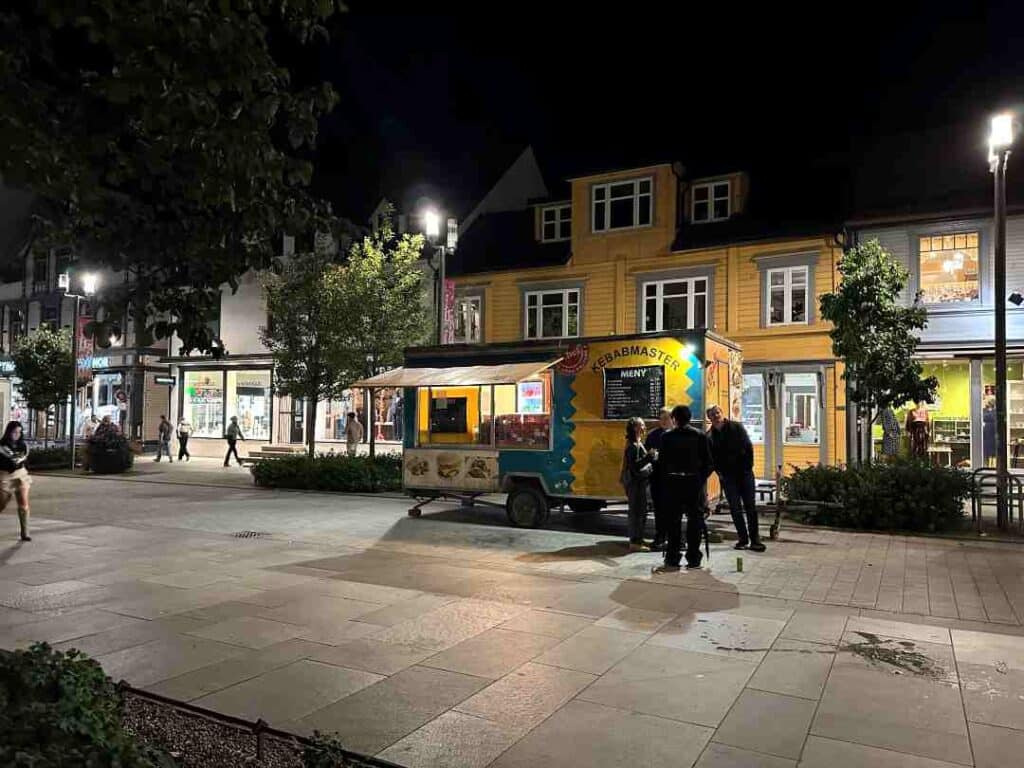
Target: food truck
544, 421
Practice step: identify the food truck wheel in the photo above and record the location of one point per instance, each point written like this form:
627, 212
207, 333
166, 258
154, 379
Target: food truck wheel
527, 507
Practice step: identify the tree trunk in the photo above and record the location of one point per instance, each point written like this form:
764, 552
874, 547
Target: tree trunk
311, 403
370, 419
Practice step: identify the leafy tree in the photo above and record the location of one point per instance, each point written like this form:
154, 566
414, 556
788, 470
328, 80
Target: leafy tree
166, 139
306, 308
876, 334
385, 311
43, 362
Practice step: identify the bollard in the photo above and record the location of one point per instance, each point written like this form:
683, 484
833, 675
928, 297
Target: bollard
259, 728
739, 565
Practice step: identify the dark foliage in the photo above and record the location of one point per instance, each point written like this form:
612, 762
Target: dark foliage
359, 474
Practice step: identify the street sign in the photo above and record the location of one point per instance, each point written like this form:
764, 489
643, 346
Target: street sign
168, 380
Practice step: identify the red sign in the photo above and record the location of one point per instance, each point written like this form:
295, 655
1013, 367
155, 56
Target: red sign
575, 359
85, 349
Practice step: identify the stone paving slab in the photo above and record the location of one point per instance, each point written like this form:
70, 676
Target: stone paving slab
455, 640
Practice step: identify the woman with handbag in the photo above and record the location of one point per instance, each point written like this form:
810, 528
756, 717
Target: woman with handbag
637, 468
14, 478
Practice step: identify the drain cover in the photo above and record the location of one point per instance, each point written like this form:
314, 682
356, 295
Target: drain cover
250, 534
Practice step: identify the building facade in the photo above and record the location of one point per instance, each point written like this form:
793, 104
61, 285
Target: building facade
655, 248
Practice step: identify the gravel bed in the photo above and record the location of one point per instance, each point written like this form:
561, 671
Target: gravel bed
194, 741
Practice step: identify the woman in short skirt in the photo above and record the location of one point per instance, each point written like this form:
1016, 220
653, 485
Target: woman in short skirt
14, 479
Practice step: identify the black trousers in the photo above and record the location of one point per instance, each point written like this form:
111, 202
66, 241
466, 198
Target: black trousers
682, 498
183, 447
659, 510
739, 492
232, 449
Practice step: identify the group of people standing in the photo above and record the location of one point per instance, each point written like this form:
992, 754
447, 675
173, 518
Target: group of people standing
184, 431
671, 465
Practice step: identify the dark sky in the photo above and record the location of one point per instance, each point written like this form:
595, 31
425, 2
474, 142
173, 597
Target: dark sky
441, 102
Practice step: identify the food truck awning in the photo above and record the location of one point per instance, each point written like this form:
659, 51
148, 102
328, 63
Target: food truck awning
457, 376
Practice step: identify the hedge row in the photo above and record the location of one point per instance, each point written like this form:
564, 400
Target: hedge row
331, 472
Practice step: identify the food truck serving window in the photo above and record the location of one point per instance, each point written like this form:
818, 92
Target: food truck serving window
503, 415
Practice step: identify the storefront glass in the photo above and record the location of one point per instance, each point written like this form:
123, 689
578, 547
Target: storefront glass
203, 402
1014, 412
801, 408
753, 406
249, 399
523, 414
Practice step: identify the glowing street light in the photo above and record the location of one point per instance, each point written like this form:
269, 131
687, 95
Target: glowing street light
90, 282
432, 224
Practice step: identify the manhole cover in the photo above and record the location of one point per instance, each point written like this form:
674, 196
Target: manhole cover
250, 534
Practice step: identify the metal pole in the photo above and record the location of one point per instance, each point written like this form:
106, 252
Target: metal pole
442, 296
1002, 507
74, 379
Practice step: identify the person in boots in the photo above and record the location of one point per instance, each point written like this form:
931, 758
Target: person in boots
653, 444
184, 430
685, 465
233, 435
637, 466
733, 455
14, 478
163, 435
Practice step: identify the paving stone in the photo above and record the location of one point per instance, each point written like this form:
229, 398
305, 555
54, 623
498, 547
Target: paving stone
450, 624
815, 627
526, 696
454, 740
381, 714
64, 627
795, 668
374, 655
635, 620
900, 629
288, 693
582, 733
548, 623
594, 649
492, 653
249, 631
993, 694
404, 610
145, 664
723, 756
996, 747
830, 753
767, 722
721, 633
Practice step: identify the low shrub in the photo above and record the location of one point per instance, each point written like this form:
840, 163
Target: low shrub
61, 709
109, 452
48, 458
331, 472
904, 494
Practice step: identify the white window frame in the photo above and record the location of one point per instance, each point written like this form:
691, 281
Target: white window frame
562, 215
460, 308
540, 294
659, 297
712, 197
637, 195
787, 289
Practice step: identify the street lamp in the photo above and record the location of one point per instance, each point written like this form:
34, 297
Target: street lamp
432, 229
999, 142
90, 282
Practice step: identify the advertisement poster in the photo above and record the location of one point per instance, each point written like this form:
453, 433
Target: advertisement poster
456, 470
448, 318
85, 349
531, 397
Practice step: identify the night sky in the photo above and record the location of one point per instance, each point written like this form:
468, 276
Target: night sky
439, 104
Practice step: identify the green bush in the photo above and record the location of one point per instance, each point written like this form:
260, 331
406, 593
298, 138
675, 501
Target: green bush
48, 458
331, 472
109, 451
904, 494
60, 709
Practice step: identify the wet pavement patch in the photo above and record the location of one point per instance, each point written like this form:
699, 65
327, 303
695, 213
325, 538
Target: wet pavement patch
898, 654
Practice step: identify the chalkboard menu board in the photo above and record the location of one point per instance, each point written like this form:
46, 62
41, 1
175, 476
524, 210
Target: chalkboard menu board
638, 391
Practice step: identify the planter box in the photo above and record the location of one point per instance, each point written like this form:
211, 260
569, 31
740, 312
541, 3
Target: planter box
108, 461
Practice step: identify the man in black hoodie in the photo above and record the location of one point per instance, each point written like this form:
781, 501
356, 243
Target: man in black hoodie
683, 466
734, 462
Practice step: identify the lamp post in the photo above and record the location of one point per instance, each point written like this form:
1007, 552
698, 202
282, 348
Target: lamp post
432, 229
999, 143
89, 284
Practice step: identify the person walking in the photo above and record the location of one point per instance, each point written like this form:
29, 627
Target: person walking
233, 434
733, 457
163, 434
653, 443
684, 462
637, 467
184, 430
353, 433
14, 477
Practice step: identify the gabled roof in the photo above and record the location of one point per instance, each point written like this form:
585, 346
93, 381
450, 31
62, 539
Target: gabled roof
502, 241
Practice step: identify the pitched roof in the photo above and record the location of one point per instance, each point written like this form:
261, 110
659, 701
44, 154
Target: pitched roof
502, 241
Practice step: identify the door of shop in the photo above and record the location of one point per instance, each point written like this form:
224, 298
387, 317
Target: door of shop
298, 420
785, 411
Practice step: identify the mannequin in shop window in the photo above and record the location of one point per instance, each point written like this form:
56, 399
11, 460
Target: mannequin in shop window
890, 433
988, 431
919, 430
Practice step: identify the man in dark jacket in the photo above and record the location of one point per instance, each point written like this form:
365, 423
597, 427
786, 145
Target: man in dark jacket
653, 443
734, 462
684, 464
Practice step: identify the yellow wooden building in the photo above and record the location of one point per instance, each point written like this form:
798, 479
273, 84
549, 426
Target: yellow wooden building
654, 248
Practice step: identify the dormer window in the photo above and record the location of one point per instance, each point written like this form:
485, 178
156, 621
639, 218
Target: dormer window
710, 202
556, 223
622, 204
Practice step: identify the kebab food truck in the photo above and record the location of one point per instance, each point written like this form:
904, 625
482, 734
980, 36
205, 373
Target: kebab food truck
544, 421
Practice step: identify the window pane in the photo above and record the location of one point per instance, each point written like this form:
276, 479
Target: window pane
700, 286
950, 274
621, 213
753, 406
651, 289
523, 414
801, 408
531, 300
599, 193
204, 403
722, 209
531, 324
645, 185
573, 328
722, 190
700, 193
799, 305
675, 288
621, 190
651, 315
565, 230
551, 299
700, 311
565, 212
574, 297
474, 321
549, 214
549, 232
777, 307
777, 277
551, 321
799, 276
599, 219
249, 400
674, 313
700, 211
643, 212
